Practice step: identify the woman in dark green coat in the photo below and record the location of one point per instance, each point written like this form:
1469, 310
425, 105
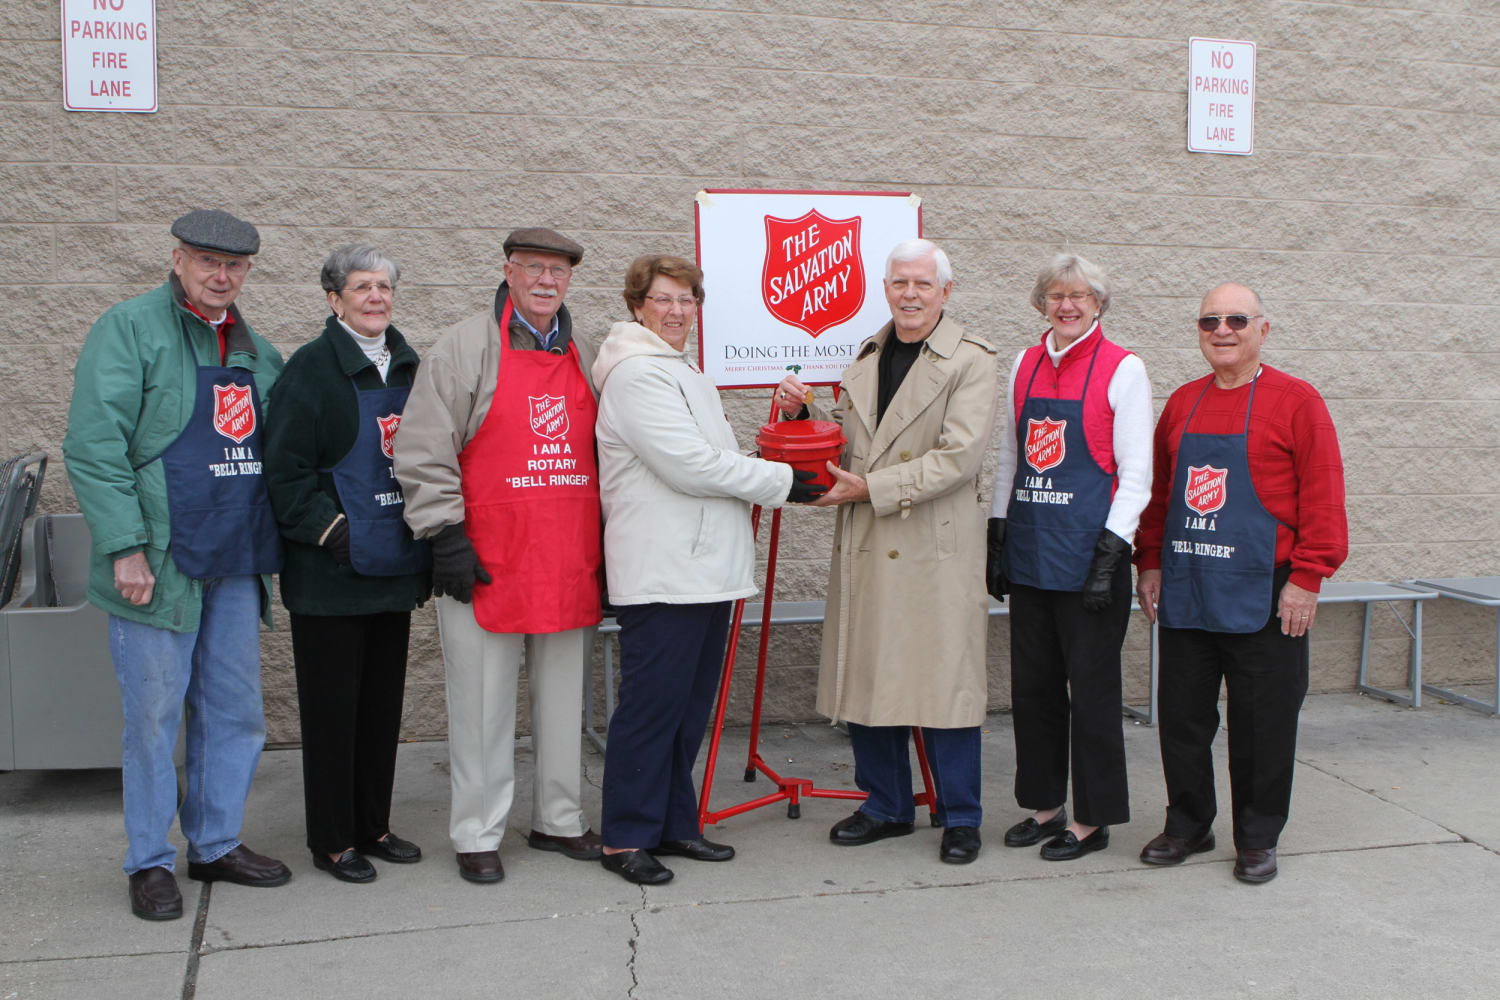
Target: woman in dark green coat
353, 572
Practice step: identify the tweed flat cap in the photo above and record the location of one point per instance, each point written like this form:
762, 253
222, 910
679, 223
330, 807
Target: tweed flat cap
545, 240
212, 229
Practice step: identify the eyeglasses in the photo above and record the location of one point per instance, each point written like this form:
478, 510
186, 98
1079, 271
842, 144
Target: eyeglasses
665, 301
534, 270
366, 287
1077, 298
233, 266
1235, 322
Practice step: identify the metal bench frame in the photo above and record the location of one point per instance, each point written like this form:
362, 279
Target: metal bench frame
1481, 590
793, 613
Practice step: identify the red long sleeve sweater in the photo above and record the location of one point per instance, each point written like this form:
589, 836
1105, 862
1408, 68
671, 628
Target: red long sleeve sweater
1295, 468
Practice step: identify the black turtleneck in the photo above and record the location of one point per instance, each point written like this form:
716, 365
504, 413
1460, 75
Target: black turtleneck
896, 359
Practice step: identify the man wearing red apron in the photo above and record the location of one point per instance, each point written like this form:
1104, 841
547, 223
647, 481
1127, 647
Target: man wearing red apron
1245, 523
496, 458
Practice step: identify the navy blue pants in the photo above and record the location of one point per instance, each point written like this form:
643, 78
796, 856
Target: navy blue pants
882, 769
670, 659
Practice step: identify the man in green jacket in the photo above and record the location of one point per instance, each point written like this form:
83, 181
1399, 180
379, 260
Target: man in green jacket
163, 449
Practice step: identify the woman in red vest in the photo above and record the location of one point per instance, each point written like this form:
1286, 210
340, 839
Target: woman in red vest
1074, 475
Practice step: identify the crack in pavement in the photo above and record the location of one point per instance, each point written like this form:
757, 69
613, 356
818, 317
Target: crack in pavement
1373, 793
635, 937
401, 931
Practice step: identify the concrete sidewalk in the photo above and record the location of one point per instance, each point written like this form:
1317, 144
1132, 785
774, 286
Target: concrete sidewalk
1389, 887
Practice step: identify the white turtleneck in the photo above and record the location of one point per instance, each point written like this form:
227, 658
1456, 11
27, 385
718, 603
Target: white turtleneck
374, 348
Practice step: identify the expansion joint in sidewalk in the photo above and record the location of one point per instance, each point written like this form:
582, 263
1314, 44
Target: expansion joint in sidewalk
195, 946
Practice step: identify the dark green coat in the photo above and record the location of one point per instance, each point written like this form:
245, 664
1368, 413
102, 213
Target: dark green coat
311, 423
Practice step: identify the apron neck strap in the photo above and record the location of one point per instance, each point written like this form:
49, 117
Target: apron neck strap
1248, 405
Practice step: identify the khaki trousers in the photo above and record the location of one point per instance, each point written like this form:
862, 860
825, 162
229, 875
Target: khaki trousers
483, 669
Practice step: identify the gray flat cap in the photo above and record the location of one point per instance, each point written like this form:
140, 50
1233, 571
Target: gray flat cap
212, 229
544, 240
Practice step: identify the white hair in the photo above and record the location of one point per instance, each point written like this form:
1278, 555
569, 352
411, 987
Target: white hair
909, 250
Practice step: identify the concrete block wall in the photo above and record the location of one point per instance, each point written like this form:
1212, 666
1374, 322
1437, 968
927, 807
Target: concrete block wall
1368, 217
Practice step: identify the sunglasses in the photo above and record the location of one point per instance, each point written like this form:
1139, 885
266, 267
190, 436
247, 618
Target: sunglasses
1235, 322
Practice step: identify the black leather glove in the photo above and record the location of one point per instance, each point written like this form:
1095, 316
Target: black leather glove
1110, 553
994, 576
455, 566
337, 542
803, 488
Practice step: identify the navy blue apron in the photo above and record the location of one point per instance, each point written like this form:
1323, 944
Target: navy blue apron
1056, 513
380, 543
1218, 551
222, 522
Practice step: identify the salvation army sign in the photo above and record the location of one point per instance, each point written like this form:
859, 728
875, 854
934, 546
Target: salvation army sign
813, 277
793, 278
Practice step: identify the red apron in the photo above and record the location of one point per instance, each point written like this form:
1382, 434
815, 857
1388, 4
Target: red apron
531, 495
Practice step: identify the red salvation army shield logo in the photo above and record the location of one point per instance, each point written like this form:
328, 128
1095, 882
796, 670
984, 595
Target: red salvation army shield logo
1045, 444
388, 425
1206, 488
813, 277
234, 412
549, 416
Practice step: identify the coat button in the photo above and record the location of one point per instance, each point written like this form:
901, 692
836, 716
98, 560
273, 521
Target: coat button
906, 456
893, 554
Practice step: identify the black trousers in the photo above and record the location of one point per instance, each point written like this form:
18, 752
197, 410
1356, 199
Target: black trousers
351, 679
1065, 696
1266, 676
671, 656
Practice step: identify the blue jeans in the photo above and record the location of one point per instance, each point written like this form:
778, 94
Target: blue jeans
882, 769
216, 672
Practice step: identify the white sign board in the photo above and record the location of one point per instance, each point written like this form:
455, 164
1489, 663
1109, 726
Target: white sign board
109, 55
1221, 96
794, 278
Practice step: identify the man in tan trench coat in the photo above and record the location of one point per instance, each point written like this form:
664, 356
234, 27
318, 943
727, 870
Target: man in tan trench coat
904, 636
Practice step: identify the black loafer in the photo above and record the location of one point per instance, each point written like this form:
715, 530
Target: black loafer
393, 848
638, 867
862, 828
1067, 846
351, 866
698, 849
1029, 831
154, 894
960, 845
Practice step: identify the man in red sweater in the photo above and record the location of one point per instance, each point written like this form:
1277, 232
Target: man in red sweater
1246, 521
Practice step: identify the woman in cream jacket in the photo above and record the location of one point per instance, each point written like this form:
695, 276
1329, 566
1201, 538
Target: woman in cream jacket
678, 551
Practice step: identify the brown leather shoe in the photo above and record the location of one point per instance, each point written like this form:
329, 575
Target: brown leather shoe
1164, 849
584, 847
154, 894
1254, 865
481, 866
242, 866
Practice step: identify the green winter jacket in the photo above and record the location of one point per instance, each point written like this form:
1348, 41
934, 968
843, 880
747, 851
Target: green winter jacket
133, 392
312, 420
